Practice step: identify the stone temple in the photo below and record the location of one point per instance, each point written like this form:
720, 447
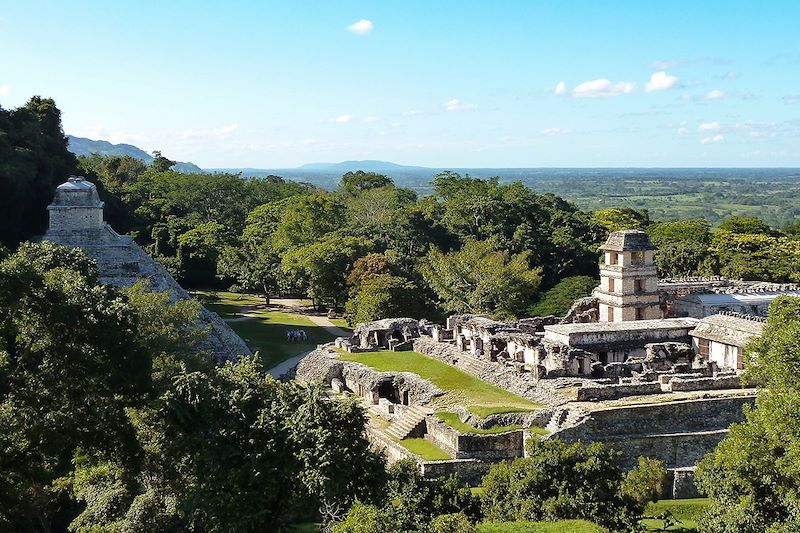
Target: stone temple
76, 221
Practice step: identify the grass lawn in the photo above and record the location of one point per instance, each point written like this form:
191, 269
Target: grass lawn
265, 330
452, 420
340, 322
483, 411
562, 526
425, 449
460, 387
688, 512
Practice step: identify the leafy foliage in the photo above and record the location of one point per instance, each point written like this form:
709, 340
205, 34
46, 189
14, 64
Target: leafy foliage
752, 476
478, 279
563, 481
33, 161
558, 299
111, 421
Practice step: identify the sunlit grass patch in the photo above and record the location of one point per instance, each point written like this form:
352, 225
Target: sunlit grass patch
425, 449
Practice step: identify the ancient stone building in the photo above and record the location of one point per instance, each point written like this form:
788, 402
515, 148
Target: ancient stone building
721, 338
628, 287
76, 221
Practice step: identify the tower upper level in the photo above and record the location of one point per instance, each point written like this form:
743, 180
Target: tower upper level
76, 207
628, 248
628, 287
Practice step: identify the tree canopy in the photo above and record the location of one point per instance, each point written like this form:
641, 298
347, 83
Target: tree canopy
752, 477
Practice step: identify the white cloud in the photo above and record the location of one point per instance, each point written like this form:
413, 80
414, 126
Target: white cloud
665, 64
683, 130
602, 88
731, 74
370, 119
709, 126
555, 131
561, 88
411, 113
341, 119
714, 94
660, 81
5, 89
457, 105
361, 27
788, 100
715, 139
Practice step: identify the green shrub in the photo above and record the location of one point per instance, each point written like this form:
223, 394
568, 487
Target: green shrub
452, 523
560, 481
557, 300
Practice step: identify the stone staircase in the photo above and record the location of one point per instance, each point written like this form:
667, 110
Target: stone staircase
564, 417
474, 366
408, 423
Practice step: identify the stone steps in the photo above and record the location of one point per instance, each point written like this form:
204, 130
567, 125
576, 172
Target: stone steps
472, 365
407, 423
564, 418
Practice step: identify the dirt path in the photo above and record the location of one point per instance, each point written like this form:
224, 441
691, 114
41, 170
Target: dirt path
328, 326
321, 321
285, 366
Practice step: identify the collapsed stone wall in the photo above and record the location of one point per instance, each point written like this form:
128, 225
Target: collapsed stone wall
323, 366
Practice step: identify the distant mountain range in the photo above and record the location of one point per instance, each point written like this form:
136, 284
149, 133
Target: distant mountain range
84, 146
368, 165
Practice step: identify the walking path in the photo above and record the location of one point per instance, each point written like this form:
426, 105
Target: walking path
281, 368
328, 326
322, 321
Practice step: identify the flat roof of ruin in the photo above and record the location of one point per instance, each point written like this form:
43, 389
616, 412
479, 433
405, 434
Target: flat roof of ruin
631, 325
737, 298
728, 329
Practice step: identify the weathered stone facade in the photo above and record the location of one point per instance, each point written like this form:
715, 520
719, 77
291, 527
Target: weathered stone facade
678, 433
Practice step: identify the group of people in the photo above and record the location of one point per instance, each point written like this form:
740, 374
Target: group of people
296, 335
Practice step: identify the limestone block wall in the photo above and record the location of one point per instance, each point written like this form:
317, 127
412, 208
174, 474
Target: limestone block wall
708, 383
614, 391
493, 447
383, 443
71, 218
678, 433
674, 450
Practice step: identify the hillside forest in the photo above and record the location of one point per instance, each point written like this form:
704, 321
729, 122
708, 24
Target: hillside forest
111, 421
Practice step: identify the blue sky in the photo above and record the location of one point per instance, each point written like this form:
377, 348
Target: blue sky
434, 83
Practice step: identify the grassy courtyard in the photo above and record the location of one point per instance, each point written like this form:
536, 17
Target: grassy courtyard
425, 449
460, 388
263, 329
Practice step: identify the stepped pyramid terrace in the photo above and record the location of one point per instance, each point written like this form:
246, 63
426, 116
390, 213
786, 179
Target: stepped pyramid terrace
76, 221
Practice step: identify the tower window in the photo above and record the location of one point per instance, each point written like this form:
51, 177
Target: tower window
614, 258
640, 313
610, 284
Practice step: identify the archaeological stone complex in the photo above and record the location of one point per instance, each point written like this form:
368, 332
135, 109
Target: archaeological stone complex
650, 367
76, 220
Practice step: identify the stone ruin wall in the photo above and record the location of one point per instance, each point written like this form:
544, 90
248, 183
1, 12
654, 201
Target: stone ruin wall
677, 433
492, 448
323, 366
